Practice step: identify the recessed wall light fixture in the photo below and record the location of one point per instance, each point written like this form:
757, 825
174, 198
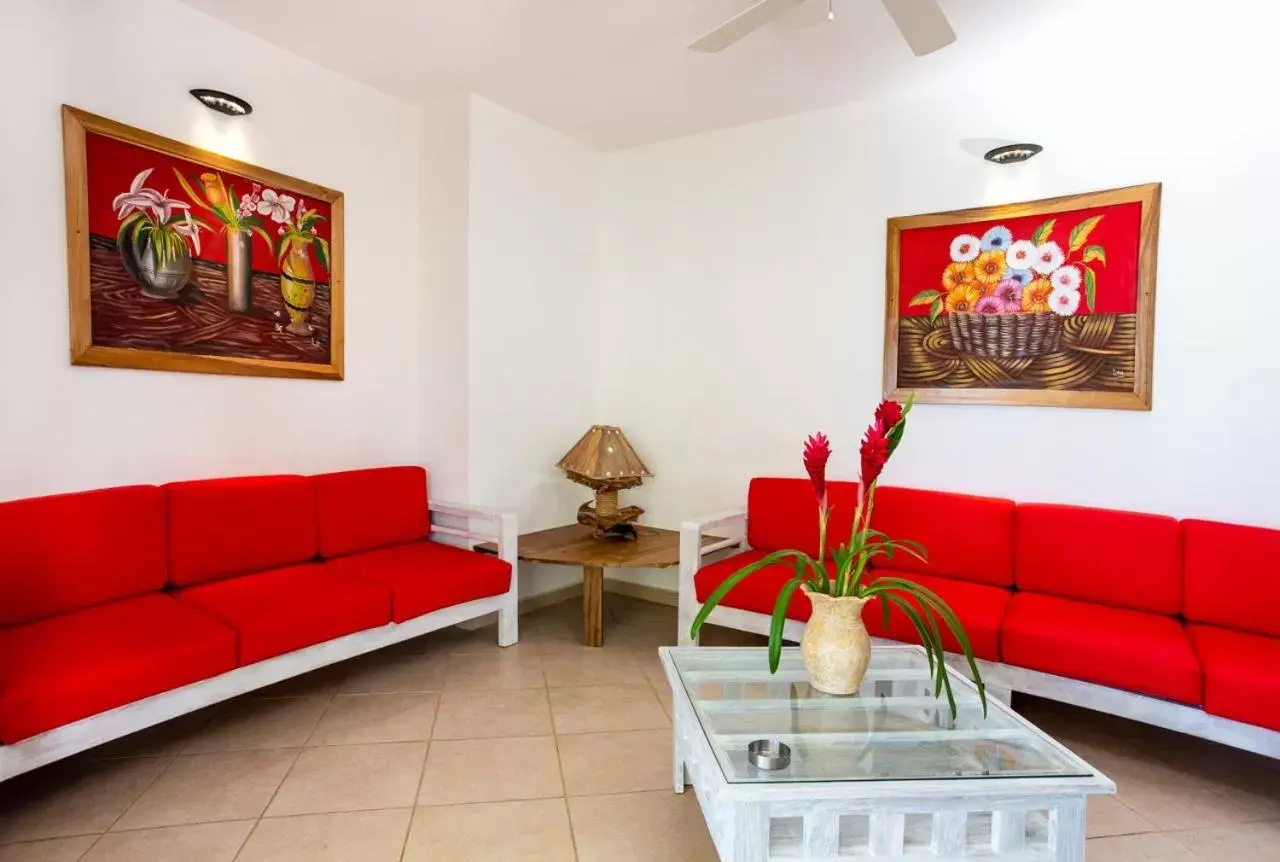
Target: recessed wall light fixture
224, 103
1012, 153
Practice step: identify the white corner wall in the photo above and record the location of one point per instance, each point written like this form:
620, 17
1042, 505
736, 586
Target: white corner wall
65, 428
752, 261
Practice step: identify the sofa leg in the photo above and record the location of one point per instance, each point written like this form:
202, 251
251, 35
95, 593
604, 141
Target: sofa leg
1000, 693
509, 623
685, 615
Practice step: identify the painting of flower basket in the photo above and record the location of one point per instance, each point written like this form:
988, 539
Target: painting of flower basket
1047, 302
183, 260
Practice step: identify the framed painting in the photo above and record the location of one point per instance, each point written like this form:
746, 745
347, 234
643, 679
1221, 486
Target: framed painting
180, 259
1048, 302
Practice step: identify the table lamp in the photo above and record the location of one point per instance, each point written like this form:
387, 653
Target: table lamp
604, 461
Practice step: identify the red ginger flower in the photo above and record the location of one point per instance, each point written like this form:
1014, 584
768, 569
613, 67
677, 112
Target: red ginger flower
875, 452
817, 449
888, 414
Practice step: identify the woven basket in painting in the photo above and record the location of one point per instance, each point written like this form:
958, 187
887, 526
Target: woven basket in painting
1005, 336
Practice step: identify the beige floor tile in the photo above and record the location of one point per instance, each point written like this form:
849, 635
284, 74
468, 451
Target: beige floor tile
590, 709
1173, 800
490, 770
387, 672
592, 667
205, 842
356, 836
494, 668
259, 723
1107, 815
200, 788
1251, 842
595, 763
640, 827
49, 850
73, 798
535, 830
318, 683
1152, 847
351, 778
479, 714
362, 718
163, 740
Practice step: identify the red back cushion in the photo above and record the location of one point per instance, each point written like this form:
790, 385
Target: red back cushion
968, 538
224, 527
365, 509
64, 553
1232, 576
783, 514
1123, 559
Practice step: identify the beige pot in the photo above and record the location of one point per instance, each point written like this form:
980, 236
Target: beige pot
836, 647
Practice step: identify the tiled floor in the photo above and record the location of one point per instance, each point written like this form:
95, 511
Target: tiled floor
451, 749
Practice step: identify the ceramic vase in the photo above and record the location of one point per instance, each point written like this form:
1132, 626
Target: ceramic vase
239, 270
835, 646
162, 281
298, 287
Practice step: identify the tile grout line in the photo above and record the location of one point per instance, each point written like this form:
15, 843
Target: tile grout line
141, 793
564, 784
422, 774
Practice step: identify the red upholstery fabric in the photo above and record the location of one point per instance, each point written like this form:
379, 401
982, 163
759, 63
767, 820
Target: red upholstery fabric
1125, 649
64, 553
1123, 559
224, 527
966, 537
980, 608
427, 576
365, 509
759, 591
782, 514
1241, 675
1232, 577
284, 610
61, 670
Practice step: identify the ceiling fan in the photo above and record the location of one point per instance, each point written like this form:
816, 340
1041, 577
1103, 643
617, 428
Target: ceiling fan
922, 23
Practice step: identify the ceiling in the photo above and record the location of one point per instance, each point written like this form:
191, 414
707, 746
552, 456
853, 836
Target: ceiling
616, 73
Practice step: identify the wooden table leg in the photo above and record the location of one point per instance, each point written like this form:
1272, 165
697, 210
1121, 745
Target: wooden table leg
593, 606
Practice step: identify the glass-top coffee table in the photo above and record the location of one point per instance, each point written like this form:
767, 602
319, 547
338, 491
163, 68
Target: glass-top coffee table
884, 774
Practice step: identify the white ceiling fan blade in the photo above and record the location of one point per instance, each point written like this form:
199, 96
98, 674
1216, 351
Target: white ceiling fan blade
922, 24
743, 24
804, 16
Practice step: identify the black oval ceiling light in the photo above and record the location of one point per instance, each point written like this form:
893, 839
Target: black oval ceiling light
224, 103
1011, 154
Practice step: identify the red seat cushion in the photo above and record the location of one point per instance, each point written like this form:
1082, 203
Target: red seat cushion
1122, 559
782, 514
224, 527
283, 610
1232, 578
759, 591
980, 608
72, 551
1241, 674
970, 538
61, 670
427, 576
1146, 653
361, 510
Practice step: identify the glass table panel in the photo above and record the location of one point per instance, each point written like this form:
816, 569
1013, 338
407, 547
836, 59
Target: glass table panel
892, 729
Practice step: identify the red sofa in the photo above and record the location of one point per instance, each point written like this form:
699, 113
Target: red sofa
124, 607
1175, 623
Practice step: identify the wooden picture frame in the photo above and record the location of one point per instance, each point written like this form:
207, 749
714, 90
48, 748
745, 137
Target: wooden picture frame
273, 316
1026, 351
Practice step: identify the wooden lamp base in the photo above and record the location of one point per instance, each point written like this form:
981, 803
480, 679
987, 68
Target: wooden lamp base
609, 521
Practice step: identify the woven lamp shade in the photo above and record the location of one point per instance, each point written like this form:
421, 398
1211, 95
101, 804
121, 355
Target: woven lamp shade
604, 458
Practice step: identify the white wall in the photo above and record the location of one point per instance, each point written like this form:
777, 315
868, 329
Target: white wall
752, 260
65, 428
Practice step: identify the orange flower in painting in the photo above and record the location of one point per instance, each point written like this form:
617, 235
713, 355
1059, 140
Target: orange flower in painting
1035, 296
989, 269
957, 275
963, 297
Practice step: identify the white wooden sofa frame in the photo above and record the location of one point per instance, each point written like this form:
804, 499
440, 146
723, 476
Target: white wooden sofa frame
1000, 679
478, 525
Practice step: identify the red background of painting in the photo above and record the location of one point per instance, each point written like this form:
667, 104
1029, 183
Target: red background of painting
926, 251
112, 165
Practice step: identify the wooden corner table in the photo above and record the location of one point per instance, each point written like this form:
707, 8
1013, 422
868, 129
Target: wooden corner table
573, 545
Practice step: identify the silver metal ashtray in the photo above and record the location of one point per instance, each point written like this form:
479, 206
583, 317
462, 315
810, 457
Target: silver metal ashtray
768, 754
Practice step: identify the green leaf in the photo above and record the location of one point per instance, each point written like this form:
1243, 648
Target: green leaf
193, 194
128, 225
1095, 252
738, 577
924, 297
1041, 234
322, 252
780, 620
1080, 233
935, 310
266, 237
1090, 287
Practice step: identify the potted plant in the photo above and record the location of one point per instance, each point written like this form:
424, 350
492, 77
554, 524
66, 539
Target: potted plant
297, 279
239, 223
153, 236
836, 647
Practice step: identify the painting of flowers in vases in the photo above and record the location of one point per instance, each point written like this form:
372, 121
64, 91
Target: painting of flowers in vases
181, 259
1048, 302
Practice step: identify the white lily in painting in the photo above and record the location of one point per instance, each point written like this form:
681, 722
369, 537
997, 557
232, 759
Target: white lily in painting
190, 229
137, 198
279, 207
147, 215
